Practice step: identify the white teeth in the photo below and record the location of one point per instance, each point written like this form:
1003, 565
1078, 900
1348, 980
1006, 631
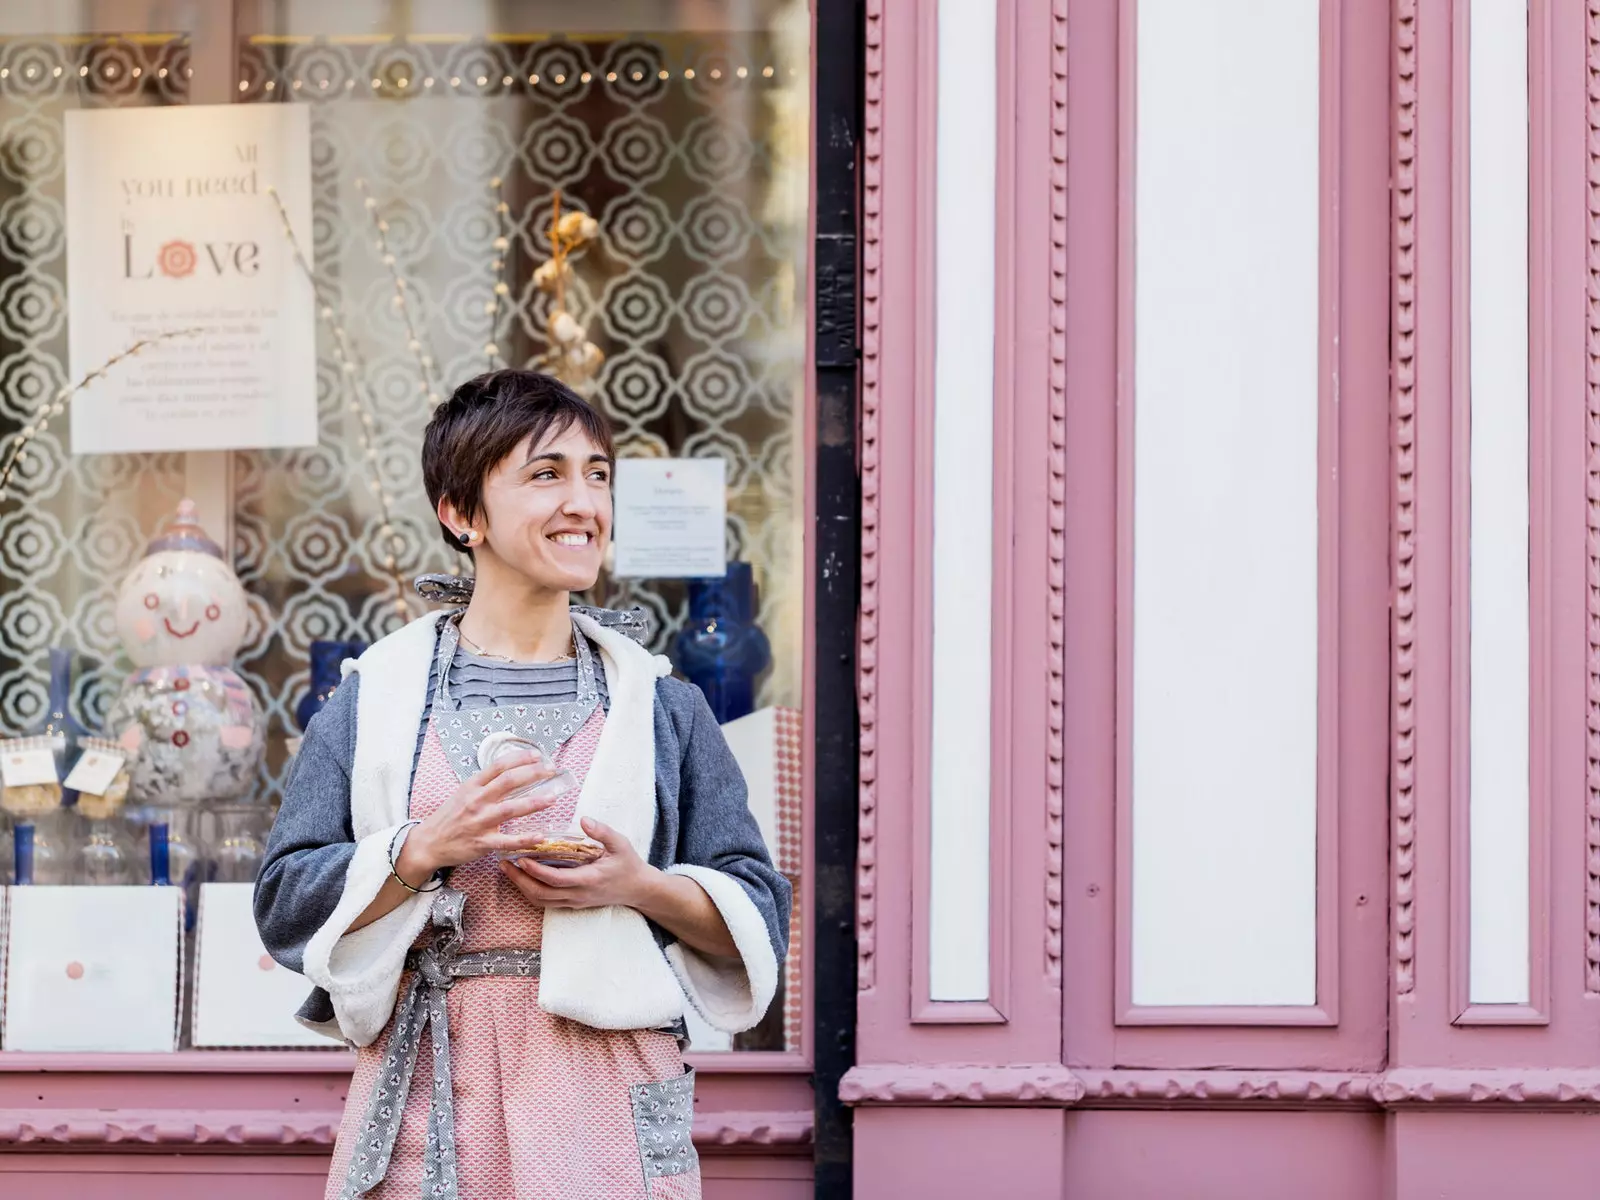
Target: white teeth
572, 539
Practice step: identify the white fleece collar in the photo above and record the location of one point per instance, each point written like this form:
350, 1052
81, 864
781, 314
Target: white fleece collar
600, 966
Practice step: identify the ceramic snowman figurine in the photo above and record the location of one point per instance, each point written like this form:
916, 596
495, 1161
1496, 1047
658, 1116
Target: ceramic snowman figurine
181, 616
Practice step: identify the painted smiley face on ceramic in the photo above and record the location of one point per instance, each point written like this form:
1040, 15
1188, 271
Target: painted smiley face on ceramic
180, 606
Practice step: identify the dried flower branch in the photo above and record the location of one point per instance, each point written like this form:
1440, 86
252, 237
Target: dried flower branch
413, 340
572, 357
502, 251
58, 405
352, 378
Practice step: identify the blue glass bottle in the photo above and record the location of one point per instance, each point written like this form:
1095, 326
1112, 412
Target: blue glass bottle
58, 719
721, 650
326, 658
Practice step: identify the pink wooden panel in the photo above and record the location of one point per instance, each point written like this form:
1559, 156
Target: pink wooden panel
897, 1023
293, 1177
1331, 596
924, 1008
1353, 651
1433, 1025
1540, 330
1224, 1155
960, 1152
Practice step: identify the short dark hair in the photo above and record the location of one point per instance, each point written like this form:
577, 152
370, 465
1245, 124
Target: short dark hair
487, 418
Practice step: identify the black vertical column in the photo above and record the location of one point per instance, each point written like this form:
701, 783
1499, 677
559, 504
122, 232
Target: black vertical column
837, 541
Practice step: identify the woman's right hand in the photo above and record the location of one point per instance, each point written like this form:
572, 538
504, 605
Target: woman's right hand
466, 827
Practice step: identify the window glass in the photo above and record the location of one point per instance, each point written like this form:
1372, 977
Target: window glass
443, 149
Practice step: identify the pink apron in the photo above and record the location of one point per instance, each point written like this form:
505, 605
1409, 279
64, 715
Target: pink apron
536, 1107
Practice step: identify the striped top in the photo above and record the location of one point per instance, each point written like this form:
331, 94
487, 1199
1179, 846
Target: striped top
478, 682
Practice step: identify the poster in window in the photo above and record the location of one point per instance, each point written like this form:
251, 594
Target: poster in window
170, 225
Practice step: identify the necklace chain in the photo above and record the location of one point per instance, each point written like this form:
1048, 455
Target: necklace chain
572, 651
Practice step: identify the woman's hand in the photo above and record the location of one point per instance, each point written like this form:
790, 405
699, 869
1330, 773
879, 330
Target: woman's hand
677, 904
619, 876
467, 825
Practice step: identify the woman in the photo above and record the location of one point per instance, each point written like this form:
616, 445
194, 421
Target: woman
543, 1003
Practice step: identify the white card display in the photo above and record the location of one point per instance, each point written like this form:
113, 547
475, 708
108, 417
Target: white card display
753, 742
171, 226
670, 518
93, 968
94, 771
242, 997
5, 902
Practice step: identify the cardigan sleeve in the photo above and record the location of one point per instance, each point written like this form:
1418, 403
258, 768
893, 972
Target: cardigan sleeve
309, 850
720, 847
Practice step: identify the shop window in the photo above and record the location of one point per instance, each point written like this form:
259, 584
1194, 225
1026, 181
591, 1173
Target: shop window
439, 158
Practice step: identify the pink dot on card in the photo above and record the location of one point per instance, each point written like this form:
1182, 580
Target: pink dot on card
265, 962
74, 970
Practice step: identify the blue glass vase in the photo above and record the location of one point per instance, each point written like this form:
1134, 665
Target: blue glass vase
721, 649
326, 658
59, 718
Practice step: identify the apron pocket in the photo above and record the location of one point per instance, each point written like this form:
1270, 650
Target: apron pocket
663, 1121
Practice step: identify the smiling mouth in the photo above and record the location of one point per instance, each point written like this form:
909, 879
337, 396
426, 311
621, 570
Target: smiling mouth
572, 541
186, 633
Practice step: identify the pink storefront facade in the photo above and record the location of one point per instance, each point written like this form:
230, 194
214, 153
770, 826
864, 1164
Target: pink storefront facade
1422, 1021
1200, 420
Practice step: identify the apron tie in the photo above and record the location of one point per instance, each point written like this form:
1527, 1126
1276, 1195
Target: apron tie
436, 969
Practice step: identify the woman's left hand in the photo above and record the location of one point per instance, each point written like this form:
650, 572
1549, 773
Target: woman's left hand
619, 876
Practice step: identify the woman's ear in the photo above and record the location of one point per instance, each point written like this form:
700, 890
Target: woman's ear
450, 516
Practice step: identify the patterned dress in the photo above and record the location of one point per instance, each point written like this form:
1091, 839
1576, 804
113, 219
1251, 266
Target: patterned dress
545, 1108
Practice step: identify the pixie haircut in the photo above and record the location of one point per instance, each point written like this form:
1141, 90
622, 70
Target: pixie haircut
485, 420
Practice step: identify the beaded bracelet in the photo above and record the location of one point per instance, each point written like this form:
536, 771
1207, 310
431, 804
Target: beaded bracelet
393, 843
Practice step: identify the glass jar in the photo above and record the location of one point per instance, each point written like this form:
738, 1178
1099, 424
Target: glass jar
238, 844
40, 854
102, 852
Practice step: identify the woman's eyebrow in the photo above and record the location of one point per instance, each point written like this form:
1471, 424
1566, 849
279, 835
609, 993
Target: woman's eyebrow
557, 456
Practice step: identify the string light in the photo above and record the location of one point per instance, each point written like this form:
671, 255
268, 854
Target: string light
352, 378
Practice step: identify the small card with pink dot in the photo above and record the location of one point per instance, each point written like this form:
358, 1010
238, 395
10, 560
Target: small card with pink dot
93, 969
241, 997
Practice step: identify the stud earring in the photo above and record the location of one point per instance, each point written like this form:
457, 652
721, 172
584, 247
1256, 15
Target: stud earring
469, 537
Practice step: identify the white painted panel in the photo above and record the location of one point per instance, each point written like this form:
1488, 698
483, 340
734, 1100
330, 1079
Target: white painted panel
1225, 504
1498, 265
963, 506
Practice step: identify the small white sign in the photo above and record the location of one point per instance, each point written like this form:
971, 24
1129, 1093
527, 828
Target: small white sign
242, 997
94, 771
93, 968
170, 226
671, 518
25, 762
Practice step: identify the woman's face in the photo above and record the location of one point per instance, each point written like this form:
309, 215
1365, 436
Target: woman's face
547, 511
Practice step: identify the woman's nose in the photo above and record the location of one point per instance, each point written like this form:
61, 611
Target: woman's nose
579, 501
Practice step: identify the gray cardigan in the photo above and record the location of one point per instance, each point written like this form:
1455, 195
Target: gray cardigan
702, 819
